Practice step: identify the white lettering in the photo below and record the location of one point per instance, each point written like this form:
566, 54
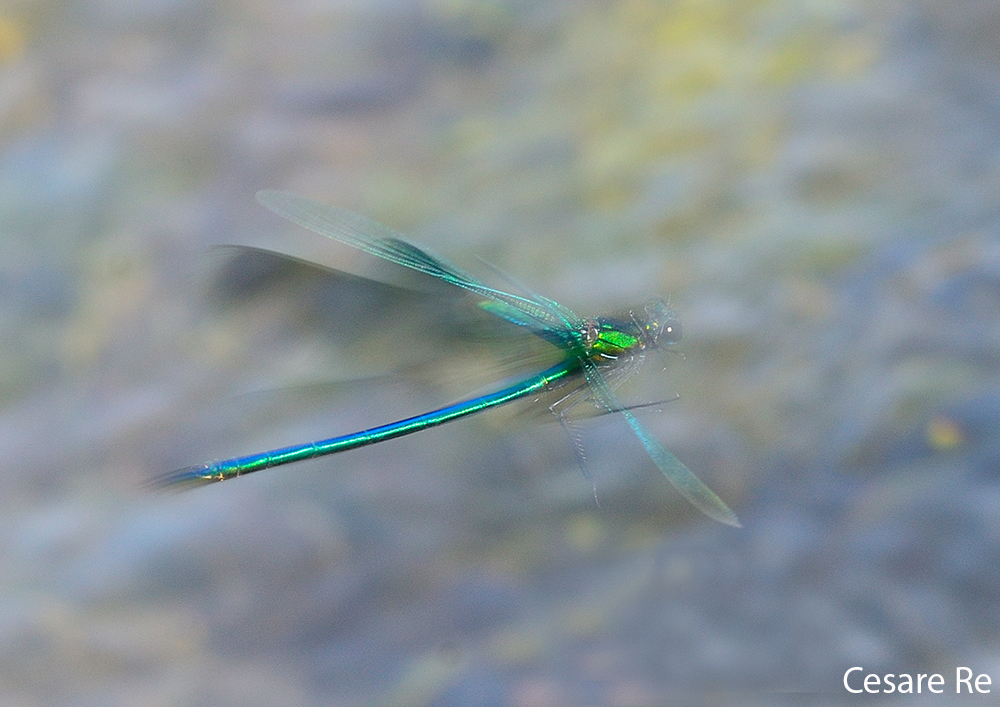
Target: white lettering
846, 684
873, 679
890, 687
933, 680
982, 685
904, 683
984, 678
959, 679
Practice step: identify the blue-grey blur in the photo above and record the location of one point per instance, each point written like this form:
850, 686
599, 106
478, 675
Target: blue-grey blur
814, 185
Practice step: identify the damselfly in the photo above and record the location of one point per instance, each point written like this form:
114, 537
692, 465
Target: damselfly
595, 354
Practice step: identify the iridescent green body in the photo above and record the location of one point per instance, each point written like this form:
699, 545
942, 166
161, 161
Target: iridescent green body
593, 350
231, 468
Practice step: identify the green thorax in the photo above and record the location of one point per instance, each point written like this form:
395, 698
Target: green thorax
613, 338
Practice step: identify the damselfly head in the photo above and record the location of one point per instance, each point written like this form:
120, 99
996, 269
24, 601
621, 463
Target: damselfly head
661, 323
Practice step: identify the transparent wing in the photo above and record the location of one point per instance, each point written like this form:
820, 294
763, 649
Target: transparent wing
375, 239
682, 478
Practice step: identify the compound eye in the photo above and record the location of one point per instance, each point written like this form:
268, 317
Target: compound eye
670, 331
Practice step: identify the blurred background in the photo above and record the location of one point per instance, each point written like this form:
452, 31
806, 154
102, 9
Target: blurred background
813, 184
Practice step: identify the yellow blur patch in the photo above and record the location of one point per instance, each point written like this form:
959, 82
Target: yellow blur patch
584, 533
11, 39
943, 434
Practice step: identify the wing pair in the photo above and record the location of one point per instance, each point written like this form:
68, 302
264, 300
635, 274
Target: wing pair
545, 317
